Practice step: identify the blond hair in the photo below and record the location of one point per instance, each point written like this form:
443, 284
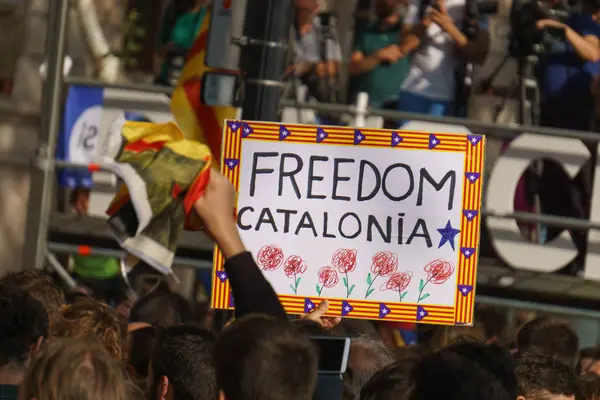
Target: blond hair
74, 370
87, 318
448, 335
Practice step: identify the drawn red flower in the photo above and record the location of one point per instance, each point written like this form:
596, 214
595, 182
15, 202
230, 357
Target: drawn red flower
269, 257
385, 263
344, 260
294, 265
398, 282
438, 271
328, 277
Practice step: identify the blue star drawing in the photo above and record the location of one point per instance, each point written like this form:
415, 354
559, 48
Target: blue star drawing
448, 234
233, 125
222, 275
465, 289
421, 313
474, 139
396, 139
346, 308
246, 130
358, 136
470, 214
472, 176
433, 141
321, 135
309, 306
231, 163
467, 251
383, 310
283, 132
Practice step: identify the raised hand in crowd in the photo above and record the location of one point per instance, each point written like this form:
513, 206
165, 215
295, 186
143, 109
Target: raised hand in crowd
391, 53
318, 316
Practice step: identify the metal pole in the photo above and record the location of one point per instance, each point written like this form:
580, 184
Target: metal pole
529, 305
264, 56
42, 180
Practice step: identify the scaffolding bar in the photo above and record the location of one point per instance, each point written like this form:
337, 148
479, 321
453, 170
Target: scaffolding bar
43, 179
533, 306
64, 248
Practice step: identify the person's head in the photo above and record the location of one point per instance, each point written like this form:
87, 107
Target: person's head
88, 317
70, 369
23, 327
591, 7
259, 357
41, 287
305, 11
389, 381
450, 376
384, 8
590, 386
367, 356
182, 365
161, 308
550, 336
494, 359
542, 377
141, 342
444, 336
493, 321
586, 357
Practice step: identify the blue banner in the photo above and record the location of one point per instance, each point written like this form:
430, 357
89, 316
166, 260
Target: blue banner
81, 126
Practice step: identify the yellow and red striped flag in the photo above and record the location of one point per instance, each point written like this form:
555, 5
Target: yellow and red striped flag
197, 120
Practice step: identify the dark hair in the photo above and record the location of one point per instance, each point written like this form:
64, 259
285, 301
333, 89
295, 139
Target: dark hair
367, 356
262, 358
184, 354
23, 321
550, 336
493, 359
164, 309
590, 386
493, 321
539, 373
389, 381
41, 287
141, 340
449, 376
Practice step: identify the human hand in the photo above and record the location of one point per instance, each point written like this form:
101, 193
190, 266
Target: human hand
439, 15
390, 53
550, 23
318, 315
215, 209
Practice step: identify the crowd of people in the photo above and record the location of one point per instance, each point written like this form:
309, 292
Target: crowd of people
63, 347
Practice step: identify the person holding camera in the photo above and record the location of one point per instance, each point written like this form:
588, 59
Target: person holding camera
566, 70
377, 65
317, 51
437, 44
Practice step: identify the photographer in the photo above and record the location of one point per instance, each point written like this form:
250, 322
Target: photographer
566, 71
436, 42
317, 51
377, 64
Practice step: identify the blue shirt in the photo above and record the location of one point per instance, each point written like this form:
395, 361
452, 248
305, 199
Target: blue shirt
562, 73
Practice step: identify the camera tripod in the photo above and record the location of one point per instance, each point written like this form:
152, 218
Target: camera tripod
525, 87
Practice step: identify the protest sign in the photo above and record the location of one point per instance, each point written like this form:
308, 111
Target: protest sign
384, 224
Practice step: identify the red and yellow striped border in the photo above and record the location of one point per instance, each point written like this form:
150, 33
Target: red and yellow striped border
462, 311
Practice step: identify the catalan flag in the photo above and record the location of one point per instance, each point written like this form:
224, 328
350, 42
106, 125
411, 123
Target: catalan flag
199, 121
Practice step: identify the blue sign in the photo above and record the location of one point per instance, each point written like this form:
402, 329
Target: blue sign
81, 126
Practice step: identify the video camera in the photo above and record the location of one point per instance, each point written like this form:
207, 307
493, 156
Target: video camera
525, 38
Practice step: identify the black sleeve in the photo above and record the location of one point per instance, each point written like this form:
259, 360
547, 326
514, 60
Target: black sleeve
251, 291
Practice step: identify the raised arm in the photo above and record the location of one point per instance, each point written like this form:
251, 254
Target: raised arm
252, 292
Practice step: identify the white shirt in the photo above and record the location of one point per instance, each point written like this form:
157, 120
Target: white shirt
308, 47
431, 72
